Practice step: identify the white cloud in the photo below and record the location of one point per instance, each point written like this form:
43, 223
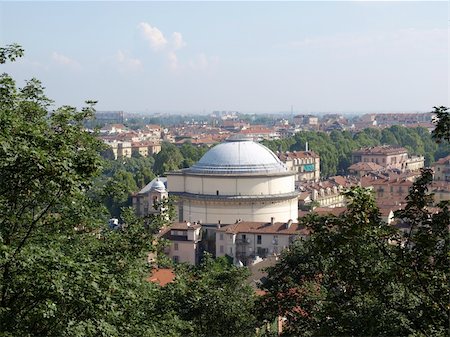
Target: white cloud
126, 62
65, 60
153, 35
178, 41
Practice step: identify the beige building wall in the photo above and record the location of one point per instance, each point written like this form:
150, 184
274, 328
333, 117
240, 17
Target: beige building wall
183, 251
236, 246
211, 212
212, 185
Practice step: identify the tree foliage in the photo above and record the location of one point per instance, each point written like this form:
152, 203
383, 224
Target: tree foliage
442, 130
356, 275
62, 272
212, 299
168, 159
10, 52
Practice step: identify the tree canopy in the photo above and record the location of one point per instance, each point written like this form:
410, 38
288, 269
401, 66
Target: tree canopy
356, 275
63, 272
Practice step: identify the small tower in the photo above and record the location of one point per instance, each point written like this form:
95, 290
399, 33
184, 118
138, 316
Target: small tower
144, 200
156, 194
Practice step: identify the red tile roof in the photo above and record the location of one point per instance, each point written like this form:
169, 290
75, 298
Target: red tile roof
161, 276
263, 228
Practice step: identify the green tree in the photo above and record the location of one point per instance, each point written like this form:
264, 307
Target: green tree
62, 272
116, 190
10, 52
355, 275
168, 159
192, 154
213, 299
442, 130
348, 278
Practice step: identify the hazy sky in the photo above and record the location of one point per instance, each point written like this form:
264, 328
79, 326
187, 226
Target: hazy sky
246, 56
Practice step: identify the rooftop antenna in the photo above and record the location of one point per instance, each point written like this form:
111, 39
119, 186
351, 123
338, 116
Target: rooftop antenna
306, 146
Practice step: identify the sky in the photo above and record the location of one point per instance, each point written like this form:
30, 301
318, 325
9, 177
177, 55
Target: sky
197, 57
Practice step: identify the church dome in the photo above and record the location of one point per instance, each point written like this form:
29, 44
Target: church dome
239, 157
158, 185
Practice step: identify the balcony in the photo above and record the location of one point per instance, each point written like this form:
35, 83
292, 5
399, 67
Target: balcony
243, 242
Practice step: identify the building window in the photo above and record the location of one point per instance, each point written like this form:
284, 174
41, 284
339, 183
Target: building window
231, 251
221, 236
175, 246
221, 249
258, 239
275, 239
176, 259
244, 237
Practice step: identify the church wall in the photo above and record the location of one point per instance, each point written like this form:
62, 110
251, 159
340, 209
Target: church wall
175, 183
208, 185
209, 212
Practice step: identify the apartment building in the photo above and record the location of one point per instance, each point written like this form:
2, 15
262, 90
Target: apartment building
389, 157
246, 241
306, 164
442, 169
183, 242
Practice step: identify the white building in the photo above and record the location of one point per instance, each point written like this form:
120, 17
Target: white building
248, 241
237, 179
184, 242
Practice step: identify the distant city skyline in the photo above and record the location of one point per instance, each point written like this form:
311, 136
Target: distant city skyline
197, 57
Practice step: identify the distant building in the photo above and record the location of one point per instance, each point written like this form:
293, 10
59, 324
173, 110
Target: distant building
309, 122
405, 119
442, 169
440, 190
389, 157
306, 164
362, 168
184, 242
246, 241
113, 129
325, 193
146, 148
259, 133
120, 149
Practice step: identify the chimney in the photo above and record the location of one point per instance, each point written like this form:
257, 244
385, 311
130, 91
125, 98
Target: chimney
272, 220
218, 224
288, 224
306, 146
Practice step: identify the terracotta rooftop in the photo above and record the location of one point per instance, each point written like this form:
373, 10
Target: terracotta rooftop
381, 150
296, 154
443, 161
264, 228
161, 276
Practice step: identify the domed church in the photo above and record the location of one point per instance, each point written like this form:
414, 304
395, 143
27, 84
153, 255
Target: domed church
235, 180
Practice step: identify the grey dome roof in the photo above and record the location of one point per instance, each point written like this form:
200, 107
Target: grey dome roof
158, 185
238, 157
